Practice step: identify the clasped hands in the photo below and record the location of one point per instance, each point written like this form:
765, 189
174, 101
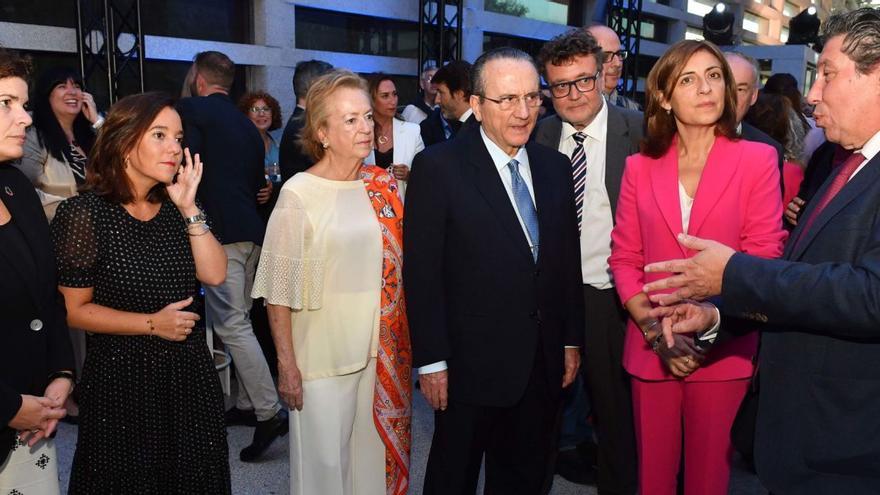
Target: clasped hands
38, 417
694, 279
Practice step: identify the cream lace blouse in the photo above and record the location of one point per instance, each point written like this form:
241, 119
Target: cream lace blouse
322, 257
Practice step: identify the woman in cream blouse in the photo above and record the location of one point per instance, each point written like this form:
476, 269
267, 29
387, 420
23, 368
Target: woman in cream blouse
330, 273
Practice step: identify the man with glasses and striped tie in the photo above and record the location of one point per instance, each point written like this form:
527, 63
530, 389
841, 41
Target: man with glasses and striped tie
612, 65
597, 137
492, 279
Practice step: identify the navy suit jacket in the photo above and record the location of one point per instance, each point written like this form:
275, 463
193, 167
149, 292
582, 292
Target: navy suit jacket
817, 427
233, 155
291, 158
475, 296
28, 355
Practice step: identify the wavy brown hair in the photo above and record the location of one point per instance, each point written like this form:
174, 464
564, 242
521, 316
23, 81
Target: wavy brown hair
662, 79
247, 100
12, 64
127, 122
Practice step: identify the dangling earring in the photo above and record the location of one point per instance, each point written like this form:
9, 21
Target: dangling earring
668, 111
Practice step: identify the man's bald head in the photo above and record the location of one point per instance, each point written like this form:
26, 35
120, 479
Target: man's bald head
745, 73
613, 65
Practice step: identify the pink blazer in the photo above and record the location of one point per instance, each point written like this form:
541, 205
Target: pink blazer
738, 203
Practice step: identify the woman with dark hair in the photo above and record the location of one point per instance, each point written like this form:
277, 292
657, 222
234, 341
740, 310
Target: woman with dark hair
396, 141
36, 360
692, 176
58, 144
131, 250
770, 113
803, 135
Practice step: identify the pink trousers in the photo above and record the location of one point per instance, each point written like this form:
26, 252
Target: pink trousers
697, 415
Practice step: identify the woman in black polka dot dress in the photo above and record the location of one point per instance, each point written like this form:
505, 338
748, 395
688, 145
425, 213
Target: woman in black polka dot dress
130, 254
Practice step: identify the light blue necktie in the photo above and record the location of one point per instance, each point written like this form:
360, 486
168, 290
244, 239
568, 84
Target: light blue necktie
524, 205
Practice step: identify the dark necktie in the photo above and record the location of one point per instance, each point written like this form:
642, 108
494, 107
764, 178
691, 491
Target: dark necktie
844, 172
579, 174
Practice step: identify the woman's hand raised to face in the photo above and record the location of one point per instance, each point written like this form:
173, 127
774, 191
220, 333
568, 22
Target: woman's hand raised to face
183, 191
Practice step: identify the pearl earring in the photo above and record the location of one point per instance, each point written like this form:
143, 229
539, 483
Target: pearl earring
325, 145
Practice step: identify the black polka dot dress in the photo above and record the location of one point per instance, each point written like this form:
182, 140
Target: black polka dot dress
151, 410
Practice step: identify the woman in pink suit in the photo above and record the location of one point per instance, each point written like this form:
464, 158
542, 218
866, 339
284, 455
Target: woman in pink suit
693, 175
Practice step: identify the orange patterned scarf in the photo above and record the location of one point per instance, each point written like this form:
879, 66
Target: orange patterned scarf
392, 402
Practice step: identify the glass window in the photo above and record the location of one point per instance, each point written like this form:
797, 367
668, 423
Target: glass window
350, 33
528, 45
215, 20
699, 7
693, 34
44, 12
752, 23
783, 36
790, 9
555, 11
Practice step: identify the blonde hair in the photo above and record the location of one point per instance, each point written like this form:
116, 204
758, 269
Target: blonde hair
319, 102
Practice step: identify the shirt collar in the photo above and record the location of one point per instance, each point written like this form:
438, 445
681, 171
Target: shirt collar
466, 115
872, 147
499, 157
597, 129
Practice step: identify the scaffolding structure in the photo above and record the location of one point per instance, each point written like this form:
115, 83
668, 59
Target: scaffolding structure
110, 45
440, 37
625, 18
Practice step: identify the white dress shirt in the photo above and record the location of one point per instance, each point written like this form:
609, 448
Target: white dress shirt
598, 220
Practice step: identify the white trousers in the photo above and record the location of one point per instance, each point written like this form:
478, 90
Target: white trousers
335, 448
31, 470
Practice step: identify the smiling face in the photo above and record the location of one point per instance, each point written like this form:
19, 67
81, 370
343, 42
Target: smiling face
845, 100
578, 109
385, 99
65, 99
698, 94
509, 129
13, 117
262, 117
156, 156
348, 130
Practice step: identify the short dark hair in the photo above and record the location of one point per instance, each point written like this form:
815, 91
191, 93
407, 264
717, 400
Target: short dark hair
504, 52
216, 68
456, 75
563, 48
127, 122
305, 73
861, 30
662, 79
247, 100
770, 114
14, 65
49, 131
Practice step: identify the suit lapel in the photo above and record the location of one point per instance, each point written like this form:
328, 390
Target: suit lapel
489, 184
664, 183
549, 132
541, 185
21, 217
721, 164
866, 177
615, 155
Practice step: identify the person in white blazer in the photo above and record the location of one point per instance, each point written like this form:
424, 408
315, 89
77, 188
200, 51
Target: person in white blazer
396, 141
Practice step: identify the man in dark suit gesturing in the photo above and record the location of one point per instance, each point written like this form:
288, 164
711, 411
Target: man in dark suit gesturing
493, 285
597, 137
819, 374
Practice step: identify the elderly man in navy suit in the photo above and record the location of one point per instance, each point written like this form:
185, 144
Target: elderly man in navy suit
493, 284
817, 427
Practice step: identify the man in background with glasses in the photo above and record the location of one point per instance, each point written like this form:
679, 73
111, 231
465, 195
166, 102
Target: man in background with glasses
597, 137
612, 65
492, 279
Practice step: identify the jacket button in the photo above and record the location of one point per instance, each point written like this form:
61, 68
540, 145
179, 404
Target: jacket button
36, 325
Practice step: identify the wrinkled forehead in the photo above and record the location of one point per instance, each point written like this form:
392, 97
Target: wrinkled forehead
508, 76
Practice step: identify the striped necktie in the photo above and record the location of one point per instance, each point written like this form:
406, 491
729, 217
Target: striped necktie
579, 174
524, 205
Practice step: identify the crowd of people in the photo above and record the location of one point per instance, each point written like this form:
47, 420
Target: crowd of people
570, 284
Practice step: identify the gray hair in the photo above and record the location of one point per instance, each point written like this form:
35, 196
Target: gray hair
751, 61
861, 30
477, 83
305, 74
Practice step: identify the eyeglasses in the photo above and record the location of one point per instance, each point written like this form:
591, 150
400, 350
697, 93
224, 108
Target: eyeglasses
607, 56
260, 110
583, 85
508, 102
